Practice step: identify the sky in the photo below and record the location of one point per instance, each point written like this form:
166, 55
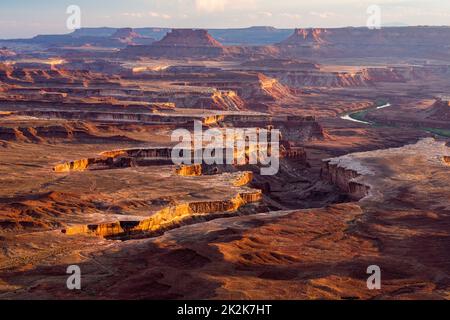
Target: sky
27, 18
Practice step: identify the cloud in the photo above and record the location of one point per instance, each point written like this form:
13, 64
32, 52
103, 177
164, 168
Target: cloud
151, 14
159, 15
133, 14
211, 5
265, 14
290, 15
260, 15
323, 15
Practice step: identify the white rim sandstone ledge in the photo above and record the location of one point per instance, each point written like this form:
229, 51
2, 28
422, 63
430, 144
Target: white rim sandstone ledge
356, 169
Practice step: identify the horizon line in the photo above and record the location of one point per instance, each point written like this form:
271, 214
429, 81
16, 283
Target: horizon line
224, 28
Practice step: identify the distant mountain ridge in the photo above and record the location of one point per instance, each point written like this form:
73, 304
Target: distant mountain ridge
257, 35
258, 42
414, 42
237, 36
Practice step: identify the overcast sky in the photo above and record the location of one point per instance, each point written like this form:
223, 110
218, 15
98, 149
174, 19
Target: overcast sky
26, 18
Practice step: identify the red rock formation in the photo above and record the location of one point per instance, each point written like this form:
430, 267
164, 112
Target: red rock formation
125, 33
181, 43
440, 110
362, 78
446, 160
130, 37
189, 37
272, 88
313, 78
306, 36
42, 73
5, 53
37, 210
291, 64
253, 88
363, 42
73, 131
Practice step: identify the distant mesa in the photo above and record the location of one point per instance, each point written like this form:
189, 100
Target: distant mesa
130, 37
259, 42
417, 42
189, 38
181, 43
125, 33
105, 32
306, 36
93, 37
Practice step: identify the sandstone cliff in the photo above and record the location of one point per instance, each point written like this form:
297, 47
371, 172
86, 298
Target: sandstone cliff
180, 43
402, 42
440, 110
5, 54
176, 215
345, 178
129, 37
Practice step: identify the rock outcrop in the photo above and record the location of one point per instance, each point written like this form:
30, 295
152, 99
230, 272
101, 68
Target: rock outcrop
239, 90
175, 215
169, 218
119, 159
190, 170
129, 37
418, 42
280, 63
180, 43
6, 54
306, 37
361, 174
345, 178
56, 132
188, 38
446, 160
440, 110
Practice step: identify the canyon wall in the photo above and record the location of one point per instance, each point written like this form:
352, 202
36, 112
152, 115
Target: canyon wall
175, 215
440, 110
417, 42
366, 77
345, 179
446, 160
119, 159
49, 133
179, 43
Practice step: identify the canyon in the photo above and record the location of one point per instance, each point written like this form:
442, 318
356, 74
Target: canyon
87, 176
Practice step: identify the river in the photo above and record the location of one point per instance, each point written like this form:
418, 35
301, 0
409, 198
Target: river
350, 116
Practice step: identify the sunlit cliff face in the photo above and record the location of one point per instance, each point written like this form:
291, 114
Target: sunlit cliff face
55, 62
51, 62
149, 68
